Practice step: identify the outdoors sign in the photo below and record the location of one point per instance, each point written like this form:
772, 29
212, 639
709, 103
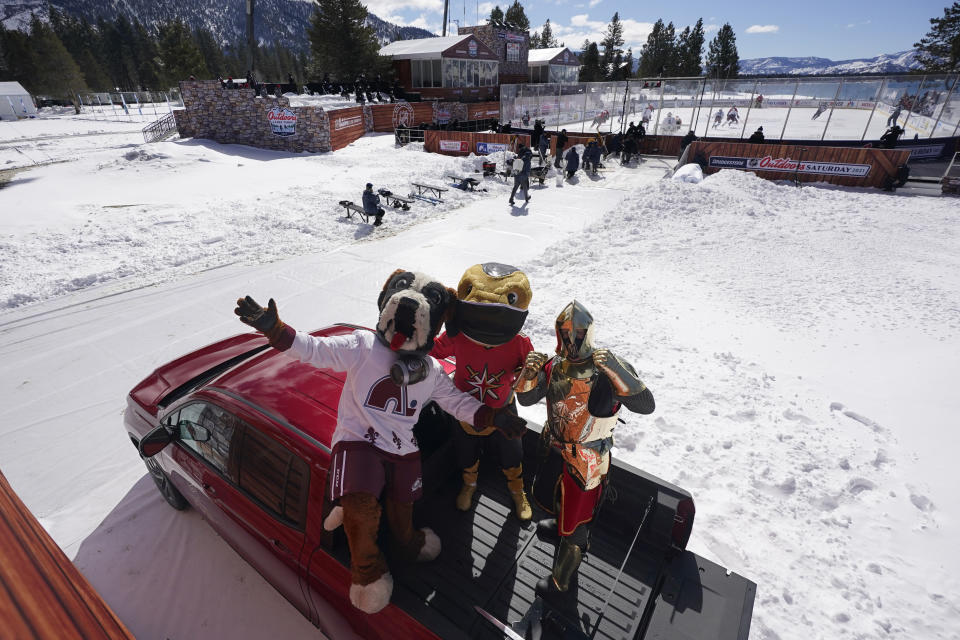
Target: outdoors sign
769, 163
454, 145
486, 148
283, 121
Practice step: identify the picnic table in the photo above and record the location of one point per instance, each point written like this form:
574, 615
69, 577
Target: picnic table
437, 191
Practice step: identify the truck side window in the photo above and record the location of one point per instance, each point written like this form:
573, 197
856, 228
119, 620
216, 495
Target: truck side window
221, 425
274, 477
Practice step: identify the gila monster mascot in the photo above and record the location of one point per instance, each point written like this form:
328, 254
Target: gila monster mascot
484, 337
585, 388
389, 380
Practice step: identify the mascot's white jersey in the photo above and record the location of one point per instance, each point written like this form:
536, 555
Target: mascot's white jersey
372, 407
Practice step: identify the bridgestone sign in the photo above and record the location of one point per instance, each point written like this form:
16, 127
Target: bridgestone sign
769, 163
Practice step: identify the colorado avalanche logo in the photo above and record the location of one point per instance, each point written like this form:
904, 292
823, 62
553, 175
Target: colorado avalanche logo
386, 395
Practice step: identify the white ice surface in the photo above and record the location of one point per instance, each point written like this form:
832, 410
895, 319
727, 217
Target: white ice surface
803, 346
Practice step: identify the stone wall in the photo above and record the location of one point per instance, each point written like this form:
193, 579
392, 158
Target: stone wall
235, 116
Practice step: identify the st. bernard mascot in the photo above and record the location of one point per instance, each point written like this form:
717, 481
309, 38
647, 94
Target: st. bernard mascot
389, 380
484, 336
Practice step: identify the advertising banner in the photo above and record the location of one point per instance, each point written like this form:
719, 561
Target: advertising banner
283, 121
769, 163
454, 145
347, 122
486, 148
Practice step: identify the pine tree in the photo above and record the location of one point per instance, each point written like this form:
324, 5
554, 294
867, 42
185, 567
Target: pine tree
180, 55
547, 41
15, 45
939, 50
612, 43
690, 50
212, 53
496, 15
722, 58
147, 56
658, 56
54, 71
535, 42
590, 70
517, 17
341, 43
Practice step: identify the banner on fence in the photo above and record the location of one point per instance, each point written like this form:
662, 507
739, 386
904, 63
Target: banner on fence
769, 163
460, 146
486, 148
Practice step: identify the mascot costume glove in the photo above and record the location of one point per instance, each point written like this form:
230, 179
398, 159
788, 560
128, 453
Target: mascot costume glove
266, 321
375, 421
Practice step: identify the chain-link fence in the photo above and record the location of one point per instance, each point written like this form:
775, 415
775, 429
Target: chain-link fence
840, 108
132, 106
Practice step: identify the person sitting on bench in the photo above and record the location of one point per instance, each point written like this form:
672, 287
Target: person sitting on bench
371, 204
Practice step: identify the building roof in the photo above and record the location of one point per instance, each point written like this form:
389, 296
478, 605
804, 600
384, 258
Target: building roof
423, 48
546, 56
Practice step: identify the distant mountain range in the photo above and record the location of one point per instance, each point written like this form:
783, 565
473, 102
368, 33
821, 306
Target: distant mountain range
281, 22
901, 62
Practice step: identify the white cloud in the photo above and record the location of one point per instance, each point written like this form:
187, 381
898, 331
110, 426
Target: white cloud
763, 28
710, 28
581, 28
594, 3
393, 7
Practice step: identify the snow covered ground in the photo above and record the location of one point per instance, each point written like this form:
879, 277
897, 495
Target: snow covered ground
803, 346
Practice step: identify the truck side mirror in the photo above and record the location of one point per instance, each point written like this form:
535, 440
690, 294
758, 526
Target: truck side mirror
154, 442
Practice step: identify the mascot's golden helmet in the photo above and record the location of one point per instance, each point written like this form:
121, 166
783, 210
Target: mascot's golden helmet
575, 332
492, 303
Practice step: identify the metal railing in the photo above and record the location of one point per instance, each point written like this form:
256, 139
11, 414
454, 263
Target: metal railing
161, 129
848, 108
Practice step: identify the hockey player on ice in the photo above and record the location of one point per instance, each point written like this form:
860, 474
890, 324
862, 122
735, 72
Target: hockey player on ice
733, 116
718, 118
820, 109
647, 115
670, 123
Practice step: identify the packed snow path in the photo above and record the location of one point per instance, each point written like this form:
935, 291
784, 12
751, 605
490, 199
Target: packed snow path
802, 345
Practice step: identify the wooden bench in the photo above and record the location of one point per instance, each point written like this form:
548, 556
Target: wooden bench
395, 201
351, 209
464, 183
439, 191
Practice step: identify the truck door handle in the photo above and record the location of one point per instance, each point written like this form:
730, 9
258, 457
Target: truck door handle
209, 489
279, 545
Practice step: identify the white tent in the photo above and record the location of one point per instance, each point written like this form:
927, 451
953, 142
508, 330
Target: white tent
15, 102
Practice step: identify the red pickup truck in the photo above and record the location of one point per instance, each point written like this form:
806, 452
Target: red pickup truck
241, 432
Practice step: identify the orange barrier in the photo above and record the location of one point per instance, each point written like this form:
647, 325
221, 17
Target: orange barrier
461, 143
42, 595
387, 117
847, 166
346, 125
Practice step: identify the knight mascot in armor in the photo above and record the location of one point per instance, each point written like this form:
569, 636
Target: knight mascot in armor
584, 389
484, 336
375, 460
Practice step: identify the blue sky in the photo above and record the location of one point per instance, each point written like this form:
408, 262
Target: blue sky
838, 30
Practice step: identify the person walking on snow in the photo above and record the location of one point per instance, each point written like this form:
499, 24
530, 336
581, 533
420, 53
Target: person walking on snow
521, 179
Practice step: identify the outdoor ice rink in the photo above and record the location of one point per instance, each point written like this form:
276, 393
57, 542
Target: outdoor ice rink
798, 109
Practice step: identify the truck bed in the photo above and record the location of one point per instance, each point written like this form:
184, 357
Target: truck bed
491, 559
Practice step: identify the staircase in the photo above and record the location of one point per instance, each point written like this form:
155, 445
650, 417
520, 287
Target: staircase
161, 129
